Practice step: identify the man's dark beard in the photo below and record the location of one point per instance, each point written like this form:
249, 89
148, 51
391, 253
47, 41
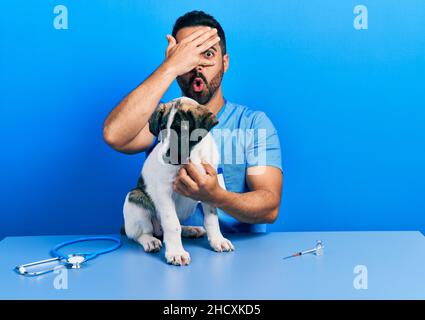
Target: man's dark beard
205, 95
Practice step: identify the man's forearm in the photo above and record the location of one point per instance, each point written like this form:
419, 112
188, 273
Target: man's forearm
259, 206
131, 115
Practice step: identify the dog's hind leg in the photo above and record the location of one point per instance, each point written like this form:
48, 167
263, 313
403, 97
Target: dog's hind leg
193, 231
138, 212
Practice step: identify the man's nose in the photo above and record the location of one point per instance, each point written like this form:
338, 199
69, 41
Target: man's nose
199, 68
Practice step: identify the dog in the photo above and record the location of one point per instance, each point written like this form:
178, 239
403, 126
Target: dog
153, 209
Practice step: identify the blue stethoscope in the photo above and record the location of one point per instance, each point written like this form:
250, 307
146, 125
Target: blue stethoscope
70, 261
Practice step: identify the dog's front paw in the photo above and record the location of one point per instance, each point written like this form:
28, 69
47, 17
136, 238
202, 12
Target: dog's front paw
221, 244
177, 257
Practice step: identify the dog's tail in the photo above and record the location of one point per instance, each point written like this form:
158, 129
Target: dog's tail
122, 230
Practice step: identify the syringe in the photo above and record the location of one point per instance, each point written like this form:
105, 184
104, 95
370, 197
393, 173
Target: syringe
317, 250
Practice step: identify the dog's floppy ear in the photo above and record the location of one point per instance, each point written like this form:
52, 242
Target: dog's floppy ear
156, 119
209, 120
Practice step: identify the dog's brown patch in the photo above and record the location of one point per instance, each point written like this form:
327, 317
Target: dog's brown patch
186, 109
140, 197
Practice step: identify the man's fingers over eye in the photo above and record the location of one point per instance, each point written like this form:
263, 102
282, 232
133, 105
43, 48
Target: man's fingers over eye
195, 34
208, 44
204, 37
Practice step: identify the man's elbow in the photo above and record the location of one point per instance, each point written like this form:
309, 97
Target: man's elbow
110, 138
271, 216
273, 211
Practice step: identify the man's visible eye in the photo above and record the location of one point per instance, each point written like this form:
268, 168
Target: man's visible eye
209, 54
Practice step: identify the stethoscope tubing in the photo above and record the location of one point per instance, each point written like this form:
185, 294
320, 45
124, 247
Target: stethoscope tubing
56, 253
58, 256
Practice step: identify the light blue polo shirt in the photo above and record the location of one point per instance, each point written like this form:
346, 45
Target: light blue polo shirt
245, 138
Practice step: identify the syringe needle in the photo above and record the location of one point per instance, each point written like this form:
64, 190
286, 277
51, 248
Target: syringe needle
294, 255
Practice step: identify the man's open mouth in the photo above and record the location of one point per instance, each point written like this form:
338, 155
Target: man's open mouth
198, 84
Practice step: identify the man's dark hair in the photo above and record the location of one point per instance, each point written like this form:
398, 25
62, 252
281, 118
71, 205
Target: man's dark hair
200, 18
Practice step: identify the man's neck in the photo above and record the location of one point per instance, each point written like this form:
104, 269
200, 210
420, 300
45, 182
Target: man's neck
216, 102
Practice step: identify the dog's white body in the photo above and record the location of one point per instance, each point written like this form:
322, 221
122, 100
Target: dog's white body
171, 207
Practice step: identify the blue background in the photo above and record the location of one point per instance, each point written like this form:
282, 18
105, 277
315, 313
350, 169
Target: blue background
348, 105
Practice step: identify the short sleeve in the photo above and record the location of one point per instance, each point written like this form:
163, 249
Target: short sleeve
262, 143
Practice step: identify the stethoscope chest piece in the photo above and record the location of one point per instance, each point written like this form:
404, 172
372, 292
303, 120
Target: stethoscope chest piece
74, 261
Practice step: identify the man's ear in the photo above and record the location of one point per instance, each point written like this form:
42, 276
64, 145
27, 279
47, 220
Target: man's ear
225, 62
155, 120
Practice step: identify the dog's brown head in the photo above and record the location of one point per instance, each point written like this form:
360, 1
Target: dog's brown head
190, 122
